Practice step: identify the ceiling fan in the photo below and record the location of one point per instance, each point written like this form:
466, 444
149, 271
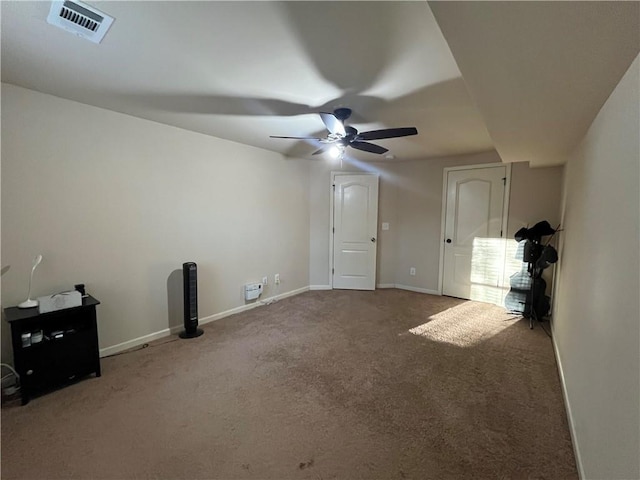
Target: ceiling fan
341, 136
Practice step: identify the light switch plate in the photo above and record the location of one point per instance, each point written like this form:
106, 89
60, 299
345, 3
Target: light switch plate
385, 226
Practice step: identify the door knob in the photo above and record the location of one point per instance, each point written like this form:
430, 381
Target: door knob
373, 239
448, 240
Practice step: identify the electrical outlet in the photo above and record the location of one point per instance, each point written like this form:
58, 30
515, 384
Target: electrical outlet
276, 279
265, 280
412, 271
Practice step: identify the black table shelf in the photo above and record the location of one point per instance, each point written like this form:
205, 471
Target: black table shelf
53, 362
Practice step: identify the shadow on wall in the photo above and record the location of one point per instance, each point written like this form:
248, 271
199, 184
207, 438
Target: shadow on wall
175, 304
7, 348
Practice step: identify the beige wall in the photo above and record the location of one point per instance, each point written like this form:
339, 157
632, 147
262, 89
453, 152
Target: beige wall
419, 204
411, 202
597, 320
119, 203
536, 195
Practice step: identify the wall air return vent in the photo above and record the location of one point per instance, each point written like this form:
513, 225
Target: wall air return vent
80, 19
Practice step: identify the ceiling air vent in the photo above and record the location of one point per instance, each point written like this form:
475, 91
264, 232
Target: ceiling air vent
80, 19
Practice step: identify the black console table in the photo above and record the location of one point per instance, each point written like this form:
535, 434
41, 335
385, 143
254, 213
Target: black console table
58, 347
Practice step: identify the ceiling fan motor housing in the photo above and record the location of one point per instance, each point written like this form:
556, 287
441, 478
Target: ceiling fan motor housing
342, 113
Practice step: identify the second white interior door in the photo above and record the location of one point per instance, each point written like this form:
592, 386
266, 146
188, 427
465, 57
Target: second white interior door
474, 247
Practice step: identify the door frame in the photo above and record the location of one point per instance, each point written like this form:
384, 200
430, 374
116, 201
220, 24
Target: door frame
331, 214
505, 207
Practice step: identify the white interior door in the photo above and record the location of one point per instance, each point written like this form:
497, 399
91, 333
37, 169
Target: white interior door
474, 247
355, 219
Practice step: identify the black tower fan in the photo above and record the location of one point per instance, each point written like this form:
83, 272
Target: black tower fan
190, 287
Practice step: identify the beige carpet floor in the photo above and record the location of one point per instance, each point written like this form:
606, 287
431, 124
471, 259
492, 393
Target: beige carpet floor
324, 385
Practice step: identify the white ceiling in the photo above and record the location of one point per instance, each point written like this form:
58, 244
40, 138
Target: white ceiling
540, 71
246, 70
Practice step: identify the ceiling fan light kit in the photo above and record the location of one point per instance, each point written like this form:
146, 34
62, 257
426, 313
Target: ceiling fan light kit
335, 152
341, 136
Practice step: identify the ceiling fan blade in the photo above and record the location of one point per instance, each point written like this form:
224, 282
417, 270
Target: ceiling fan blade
368, 147
321, 150
296, 138
334, 125
388, 133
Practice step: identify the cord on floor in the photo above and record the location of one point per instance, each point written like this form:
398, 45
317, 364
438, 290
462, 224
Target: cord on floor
272, 299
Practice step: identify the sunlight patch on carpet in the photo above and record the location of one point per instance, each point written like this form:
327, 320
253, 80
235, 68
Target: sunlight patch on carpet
465, 325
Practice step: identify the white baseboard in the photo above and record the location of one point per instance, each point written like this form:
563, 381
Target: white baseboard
290, 293
384, 285
120, 347
249, 306
567, 406
416, 289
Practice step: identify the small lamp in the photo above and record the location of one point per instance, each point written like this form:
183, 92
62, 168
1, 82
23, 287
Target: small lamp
28, 303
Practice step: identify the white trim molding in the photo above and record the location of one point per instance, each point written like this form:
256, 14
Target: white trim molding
567, 406
417, 289
120, 347
135, 342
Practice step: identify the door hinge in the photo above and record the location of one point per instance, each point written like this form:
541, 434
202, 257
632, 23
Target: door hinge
504, 181
501, 233
334, 186
334, 229
333, 270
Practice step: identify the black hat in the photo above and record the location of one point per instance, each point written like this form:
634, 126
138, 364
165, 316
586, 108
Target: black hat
536, 232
